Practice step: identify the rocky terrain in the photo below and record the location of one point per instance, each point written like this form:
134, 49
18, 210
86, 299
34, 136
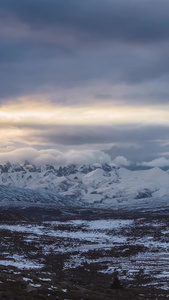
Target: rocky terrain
61, 256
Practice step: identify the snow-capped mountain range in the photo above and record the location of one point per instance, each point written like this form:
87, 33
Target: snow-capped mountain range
101, 185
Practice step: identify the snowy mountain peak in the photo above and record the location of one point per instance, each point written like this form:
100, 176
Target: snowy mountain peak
95, 184
60, 170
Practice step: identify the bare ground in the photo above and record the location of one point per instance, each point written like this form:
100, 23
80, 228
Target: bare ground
73, 261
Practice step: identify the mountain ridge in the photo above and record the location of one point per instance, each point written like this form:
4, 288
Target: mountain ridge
80, 185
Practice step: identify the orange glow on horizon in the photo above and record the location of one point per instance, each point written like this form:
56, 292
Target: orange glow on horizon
51, 114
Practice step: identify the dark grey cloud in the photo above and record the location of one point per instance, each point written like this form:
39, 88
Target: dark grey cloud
30, 69
147, 151
151, 144
135, 143
142, 21
46, 45
132, 143
84, 52
123, 136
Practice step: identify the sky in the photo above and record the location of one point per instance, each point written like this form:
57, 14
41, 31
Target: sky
84, 81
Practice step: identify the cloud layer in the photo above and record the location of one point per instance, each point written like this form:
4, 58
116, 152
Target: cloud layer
54, 157
108, 60
46, 46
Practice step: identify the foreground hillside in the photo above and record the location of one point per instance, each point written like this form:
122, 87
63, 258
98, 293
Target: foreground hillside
86, 185
75, 256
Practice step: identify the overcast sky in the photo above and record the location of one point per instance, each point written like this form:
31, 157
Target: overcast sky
84, 81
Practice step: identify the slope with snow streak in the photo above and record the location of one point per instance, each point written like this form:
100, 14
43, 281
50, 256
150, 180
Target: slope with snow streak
98, 185
134, 183
19, 196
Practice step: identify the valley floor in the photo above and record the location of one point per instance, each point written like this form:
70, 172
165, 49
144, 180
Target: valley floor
74, 254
